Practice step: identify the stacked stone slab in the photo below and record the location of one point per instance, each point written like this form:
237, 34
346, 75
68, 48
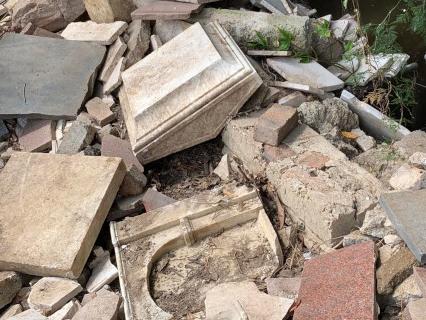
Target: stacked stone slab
183, 93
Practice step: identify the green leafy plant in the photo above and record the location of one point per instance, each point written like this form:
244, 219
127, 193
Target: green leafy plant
323, 29
303, 56
414, 17
385, 37
285, 39
261, 42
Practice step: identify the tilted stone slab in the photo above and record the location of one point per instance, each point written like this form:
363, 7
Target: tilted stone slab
407, 212
189, 95
89, 31
165, 10
45, 77
52, 209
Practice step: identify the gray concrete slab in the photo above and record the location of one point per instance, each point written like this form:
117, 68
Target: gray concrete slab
407, 212
46, 78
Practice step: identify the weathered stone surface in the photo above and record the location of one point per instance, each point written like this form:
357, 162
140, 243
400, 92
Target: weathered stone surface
29, 314
89, 31
395, 270
50, 294
10, 284
139, 33
37, 135
116, 147
107, 11
4, 132
408, 178
412, 143
104, 272
415, 310
114, 80
420, 276
103, 307
101, 111
407, 291
168, 29
302, 88
376, 224
242, 25
11, 311
66, 312
177, 105
418, 160
339, 285
79, 136
243, 300
355, 237
275, 124
165, 10
115, 52
152, 199
269, 53
70, 194
40, 32
283, 287
70, 68
327, 115
312, 73
363, 141
406, 210
294, 99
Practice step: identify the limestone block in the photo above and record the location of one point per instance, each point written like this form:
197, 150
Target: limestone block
177, 105
13, 310
106, 11
103, 307
139, 33
89, 31
115, 52
29, 314
10, 284
66, 312
408, 178
52, 210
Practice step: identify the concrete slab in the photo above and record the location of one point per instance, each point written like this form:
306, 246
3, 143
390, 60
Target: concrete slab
165, 10
340, 284
114, 80
311, 74
89, 31
115, 52
69, 194
36, 76
175, 106
406, 210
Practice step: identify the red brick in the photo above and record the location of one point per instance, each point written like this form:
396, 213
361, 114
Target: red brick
339, 285
275, 124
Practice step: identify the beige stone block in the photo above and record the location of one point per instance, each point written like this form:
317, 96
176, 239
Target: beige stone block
106, 11
89, 31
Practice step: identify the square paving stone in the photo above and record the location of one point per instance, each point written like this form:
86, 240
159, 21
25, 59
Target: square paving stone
46, 78
52, 209
407, 212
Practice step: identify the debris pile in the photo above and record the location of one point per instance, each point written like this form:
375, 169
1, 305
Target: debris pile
190, 160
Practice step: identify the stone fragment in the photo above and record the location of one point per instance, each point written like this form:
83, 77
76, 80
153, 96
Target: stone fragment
116, 147
275, 124
326, 115
37, 135
50, 294
107, 11
101, 111
340, 284
70, 194
392, 239
408, 178
29, 314
161, 117
405, 292
375, 223
66, 312
103, 307
415, 310
11, 311
155, 42
89, 31
363, 141
114, 80
283, 287
339, 28
152, 199
408, 219
294, 99
4, 132
355, 237
70, 68
370, 67
10, 284
168, 29
79, 136
115, 52
420, 276
301, 87
269, 53
139, 33
373, 121
223, 169
311, 74
312, 159
395, 270
412, 143
104, 272
126, 207
234, 300
418, 160
165, 10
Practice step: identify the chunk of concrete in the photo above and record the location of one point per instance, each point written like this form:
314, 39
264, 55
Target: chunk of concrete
29, 314
71, 66
66, 312
115, 53
415, 310
152, 199
79, 136
165, 10
243, 25
100, 110
411, 143
69, 194
339, 284
104, 272
243, 300
223, 169
311, 74
11, 311
294, 99
37, 135
168, 29
275, 124
283, 287
89, 31
103, 307
139, 33
107, 11
50, 294
375, 223
420, 276
114, 80
364, 141
406, 211
175, 106
10, 284
408, 178
395, 270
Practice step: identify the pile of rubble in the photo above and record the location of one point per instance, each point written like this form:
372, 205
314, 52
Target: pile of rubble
311, 215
